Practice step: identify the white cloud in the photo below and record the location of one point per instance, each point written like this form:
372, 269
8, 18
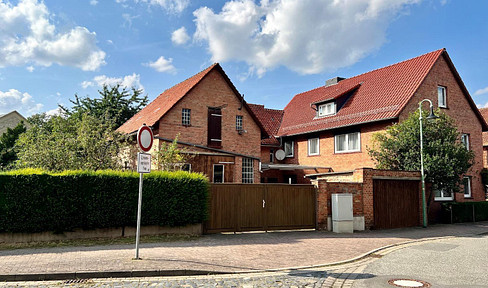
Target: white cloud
180, 37
93, 2
128, 81
30, 68
162, 65
28, 37
306, 36
171, 6
481, 91
15, 100
54, 112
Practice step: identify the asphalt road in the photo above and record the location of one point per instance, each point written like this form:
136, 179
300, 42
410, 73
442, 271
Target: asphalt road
455, 262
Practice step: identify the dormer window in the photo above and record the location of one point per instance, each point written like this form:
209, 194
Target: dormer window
327, 109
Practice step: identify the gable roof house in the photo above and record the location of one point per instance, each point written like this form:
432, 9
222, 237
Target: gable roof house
332, 126
10, 120
212, 121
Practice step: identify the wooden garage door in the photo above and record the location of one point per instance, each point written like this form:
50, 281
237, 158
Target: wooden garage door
396, 203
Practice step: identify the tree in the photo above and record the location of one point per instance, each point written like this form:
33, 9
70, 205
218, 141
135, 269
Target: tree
59, 143
116, 103
8, 153
169, 157
445, 158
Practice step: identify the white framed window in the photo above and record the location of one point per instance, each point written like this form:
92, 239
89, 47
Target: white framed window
443, 195
218, 173
465, 140
441, 97
350, 142
288, 148
186, 167
186, 117
467, 186
247, 170
327, 109
239, 123
313, 146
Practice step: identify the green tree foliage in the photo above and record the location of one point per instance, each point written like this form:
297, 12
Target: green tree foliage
8, 153
116, 104
445, 158
169, 157
60, 143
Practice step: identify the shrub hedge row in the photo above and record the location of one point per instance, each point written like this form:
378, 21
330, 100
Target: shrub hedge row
35, 201
463, 211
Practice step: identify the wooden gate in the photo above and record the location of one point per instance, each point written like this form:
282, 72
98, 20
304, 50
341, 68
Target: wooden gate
260, 207
396, 203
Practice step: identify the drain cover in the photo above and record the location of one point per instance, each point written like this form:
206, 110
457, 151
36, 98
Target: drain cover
408, 283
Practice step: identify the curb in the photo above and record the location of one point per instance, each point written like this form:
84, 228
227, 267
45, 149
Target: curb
169, 273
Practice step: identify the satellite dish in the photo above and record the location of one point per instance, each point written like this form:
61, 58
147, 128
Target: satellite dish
280, 154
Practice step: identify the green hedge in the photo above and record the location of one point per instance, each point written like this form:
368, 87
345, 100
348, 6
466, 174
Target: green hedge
35, 201
463, 211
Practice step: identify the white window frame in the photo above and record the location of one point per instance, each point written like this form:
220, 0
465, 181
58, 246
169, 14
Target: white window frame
186, 117
223, 173
317, 146
290, 155
470, 194
347, 150
239, 122
465, 140
442, 96
247, 170
323, 109
442, 197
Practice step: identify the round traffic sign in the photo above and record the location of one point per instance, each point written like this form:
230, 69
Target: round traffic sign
145, 138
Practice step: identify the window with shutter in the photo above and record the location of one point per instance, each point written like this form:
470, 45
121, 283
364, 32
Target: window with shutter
215, 127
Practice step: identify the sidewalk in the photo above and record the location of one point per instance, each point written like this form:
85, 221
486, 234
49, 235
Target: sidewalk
222, 253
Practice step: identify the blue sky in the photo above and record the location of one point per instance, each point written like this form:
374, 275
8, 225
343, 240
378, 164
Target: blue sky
271, 49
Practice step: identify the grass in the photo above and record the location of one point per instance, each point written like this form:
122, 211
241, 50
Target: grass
98, 242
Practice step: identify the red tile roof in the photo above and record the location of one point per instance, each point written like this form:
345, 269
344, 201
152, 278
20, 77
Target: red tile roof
484, 113
377, 95
270, 119
163, 103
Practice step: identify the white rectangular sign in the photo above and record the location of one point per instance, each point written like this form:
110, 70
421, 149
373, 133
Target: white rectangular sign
143, 163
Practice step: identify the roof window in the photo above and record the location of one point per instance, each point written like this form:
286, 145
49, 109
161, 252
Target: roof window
326, 109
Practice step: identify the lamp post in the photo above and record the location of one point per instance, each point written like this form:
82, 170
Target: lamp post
430, 117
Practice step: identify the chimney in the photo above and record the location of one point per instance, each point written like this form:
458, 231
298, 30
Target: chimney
333, 81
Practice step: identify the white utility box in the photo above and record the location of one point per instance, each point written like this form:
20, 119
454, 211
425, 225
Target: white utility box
342, 215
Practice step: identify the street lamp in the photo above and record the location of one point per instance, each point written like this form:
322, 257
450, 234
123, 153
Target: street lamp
431, 116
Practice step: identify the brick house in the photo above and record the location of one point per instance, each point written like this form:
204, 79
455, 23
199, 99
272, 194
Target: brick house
331, 126
484, 112
213, 123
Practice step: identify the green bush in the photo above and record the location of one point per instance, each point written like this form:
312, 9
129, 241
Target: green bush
34, 200
463, 211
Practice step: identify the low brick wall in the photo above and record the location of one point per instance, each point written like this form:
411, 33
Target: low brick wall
358, 183
195, 229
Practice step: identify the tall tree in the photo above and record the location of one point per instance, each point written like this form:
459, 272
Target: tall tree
116, 103
446, 159
65, 143
8, 153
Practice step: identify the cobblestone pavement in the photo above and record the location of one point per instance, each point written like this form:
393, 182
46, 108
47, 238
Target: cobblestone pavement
221, 253
336, 276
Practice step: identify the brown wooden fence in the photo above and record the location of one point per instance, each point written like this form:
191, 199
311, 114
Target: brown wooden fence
260, 207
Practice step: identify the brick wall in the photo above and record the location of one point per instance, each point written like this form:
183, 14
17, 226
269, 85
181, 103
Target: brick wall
10, 121
337, 161
213, 91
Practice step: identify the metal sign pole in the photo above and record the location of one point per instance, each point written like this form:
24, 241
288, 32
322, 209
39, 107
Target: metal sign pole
138, 232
